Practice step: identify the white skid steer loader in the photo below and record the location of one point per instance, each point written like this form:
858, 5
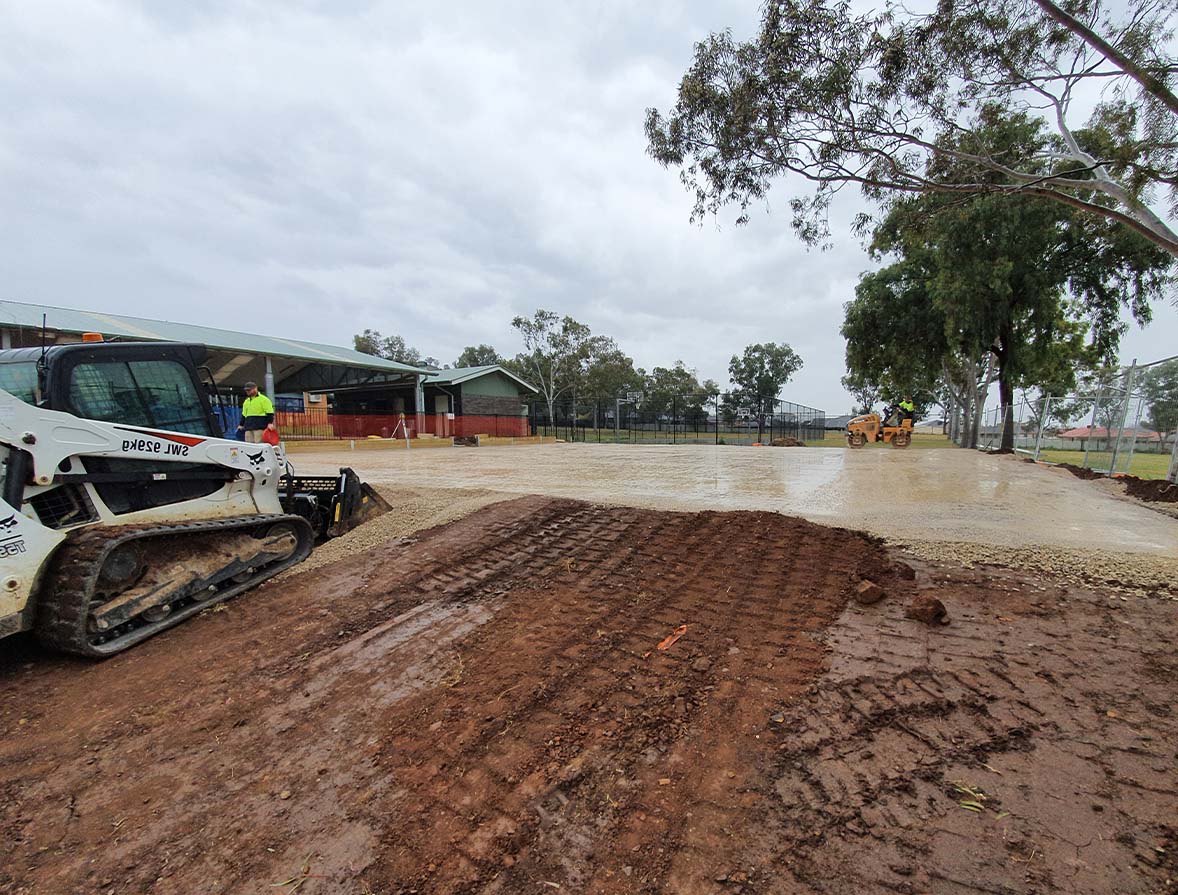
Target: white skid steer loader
122, 509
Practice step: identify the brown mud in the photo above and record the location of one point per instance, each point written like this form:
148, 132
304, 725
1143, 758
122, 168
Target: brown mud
1080, 472
1148, 490
1151, 490
484, 708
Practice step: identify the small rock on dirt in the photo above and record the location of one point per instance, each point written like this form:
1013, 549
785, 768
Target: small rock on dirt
904, 570
868, 592
928, 609
703, 663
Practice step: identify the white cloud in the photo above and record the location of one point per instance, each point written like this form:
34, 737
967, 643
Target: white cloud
312, 168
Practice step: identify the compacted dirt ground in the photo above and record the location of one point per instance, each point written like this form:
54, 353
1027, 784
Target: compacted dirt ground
484, 707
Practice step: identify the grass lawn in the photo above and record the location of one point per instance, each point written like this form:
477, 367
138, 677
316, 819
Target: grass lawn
1144, 466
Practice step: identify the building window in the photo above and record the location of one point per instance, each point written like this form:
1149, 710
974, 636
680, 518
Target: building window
289, 403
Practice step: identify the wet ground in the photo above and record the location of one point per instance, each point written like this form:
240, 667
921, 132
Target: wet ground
486, 709
938, 495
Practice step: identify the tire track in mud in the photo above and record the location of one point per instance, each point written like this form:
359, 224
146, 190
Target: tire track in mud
618, 766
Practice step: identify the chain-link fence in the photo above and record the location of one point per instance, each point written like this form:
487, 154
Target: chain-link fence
680, 419
993, 423
1103, 429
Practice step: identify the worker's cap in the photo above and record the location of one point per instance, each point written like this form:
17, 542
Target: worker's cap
250, 385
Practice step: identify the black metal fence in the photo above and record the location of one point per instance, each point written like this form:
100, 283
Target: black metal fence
681, 419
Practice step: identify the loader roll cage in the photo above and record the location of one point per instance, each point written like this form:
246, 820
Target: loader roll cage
152, 384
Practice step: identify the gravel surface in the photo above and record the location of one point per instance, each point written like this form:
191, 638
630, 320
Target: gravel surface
1127, 574
928, 495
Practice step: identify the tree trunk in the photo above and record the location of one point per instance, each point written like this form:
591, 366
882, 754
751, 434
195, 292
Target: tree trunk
976, 423
979, 394
1006, 404
1006, 391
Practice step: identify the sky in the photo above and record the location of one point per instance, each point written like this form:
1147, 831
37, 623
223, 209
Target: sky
310, 168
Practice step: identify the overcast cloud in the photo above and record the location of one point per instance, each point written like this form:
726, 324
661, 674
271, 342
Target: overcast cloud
308, 169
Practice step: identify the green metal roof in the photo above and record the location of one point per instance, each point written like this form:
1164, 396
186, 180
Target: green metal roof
459, 375
28, 316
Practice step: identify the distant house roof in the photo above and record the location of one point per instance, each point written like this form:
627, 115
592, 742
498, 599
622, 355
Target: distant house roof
839, 422
459, 375
28, 316
1102, 432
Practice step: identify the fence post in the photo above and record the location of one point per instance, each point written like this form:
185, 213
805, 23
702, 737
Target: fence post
1092, 425
1042, 423
1124, 415
1133, 441
1172, 475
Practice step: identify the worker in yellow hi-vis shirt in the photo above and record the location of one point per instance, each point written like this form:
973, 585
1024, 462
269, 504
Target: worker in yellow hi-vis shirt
907, 409
257, 414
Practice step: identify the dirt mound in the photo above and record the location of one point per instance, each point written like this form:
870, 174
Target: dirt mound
1080, 472
485, 709
787, 441
1153, 490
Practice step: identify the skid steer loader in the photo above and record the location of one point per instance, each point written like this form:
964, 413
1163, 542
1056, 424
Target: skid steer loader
123, 510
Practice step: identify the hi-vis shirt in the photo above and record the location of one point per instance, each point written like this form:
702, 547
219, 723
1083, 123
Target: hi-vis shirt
258, 406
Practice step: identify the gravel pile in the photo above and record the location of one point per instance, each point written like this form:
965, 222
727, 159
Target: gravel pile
1135, 574
414, 509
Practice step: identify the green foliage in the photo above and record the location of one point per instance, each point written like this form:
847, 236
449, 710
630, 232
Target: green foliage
897, 337
608, 372
838, 98
678, 389
390, 348
478, 356
866, 392
555, 348
759, 374
1035, 283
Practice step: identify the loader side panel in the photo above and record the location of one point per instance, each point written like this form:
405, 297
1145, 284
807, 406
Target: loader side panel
26, 549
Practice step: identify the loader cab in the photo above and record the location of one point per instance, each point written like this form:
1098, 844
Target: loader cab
150, 384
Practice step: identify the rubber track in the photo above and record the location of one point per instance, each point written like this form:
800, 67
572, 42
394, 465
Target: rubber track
64, 600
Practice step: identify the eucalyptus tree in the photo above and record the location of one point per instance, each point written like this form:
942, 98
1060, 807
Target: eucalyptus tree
835, 98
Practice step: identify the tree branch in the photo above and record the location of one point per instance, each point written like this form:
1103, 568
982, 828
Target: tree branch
1148, 81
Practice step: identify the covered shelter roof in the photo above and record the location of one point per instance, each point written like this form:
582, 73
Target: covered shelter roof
459, 375
234, 357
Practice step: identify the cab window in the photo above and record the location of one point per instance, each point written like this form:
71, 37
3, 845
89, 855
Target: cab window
159, 394
20, 380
